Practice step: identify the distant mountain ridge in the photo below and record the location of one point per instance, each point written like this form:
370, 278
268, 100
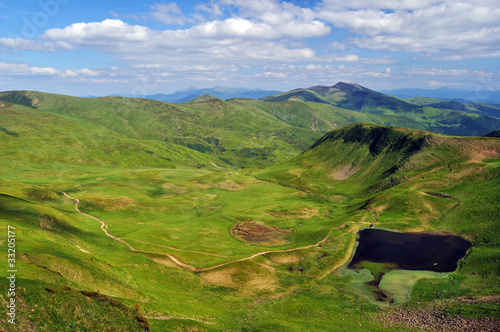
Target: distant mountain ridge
346, 95
485, 95
305, 113
220, 92
446, 117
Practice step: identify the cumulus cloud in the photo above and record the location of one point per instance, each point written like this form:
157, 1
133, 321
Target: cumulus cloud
447, 72
20, 44
21, 69
369, 4
268, 74
234, 39
110, 32
81, 72
470, 29
117, 31
275, 39
242, 31
443, 30
168, 13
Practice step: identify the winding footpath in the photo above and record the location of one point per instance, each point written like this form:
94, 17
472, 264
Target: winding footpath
105, 229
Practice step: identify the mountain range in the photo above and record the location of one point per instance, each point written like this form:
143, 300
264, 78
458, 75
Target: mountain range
447, 117
484, 94
221, 92
487, 94
131, 214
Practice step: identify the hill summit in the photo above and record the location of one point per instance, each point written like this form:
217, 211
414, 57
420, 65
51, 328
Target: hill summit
202, 98
349, 96
367, 158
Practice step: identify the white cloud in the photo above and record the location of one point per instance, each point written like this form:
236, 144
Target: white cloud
13, 68
19, 44
109, 33
21, 69
372, 74
439, 84
82, 72
471, 29
69, 73
454, 77
252, 7
43, 71
268, 74
116, 31
233, 39
168, 13
244, 40
370, 4
213, 9
238, 27
437, 72
88, 72
354, 58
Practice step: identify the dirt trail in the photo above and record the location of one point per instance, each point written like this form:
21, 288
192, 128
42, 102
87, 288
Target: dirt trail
176, 249
163, 317
105, 229
261, 254
215, 164
426, 173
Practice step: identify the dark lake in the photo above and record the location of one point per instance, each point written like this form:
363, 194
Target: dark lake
410, 251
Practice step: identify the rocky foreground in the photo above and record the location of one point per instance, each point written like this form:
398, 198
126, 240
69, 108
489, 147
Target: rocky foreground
432, 317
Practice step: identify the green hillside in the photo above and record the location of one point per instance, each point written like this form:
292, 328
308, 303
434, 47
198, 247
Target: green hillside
443, 117
480, 108
122, 221
232, 133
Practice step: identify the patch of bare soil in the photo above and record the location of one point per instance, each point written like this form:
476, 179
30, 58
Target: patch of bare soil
464, 172
174, 190
229, 185
296, 172
477, 155
306, 212
432, 318
164, 261
343, 173
256, 232
442, 195
246, 280
285, 258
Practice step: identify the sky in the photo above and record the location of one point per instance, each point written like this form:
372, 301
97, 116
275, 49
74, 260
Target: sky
140, 47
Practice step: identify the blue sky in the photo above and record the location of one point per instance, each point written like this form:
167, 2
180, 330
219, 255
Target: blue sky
141, 47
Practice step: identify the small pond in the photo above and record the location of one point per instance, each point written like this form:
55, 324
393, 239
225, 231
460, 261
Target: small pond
411, 251
382, 251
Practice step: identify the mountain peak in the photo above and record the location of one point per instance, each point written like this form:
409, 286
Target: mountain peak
202, 98
348, 87
379, 138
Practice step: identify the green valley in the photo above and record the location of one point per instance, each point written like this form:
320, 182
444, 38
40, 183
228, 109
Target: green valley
241, 215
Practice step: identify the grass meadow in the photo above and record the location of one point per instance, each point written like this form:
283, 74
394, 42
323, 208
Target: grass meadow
264, 246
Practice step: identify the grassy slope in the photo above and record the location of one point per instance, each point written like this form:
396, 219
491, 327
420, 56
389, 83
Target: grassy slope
387, 174
41, 139
58, 246
240, 136
480, 108
446, 117
355, 176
